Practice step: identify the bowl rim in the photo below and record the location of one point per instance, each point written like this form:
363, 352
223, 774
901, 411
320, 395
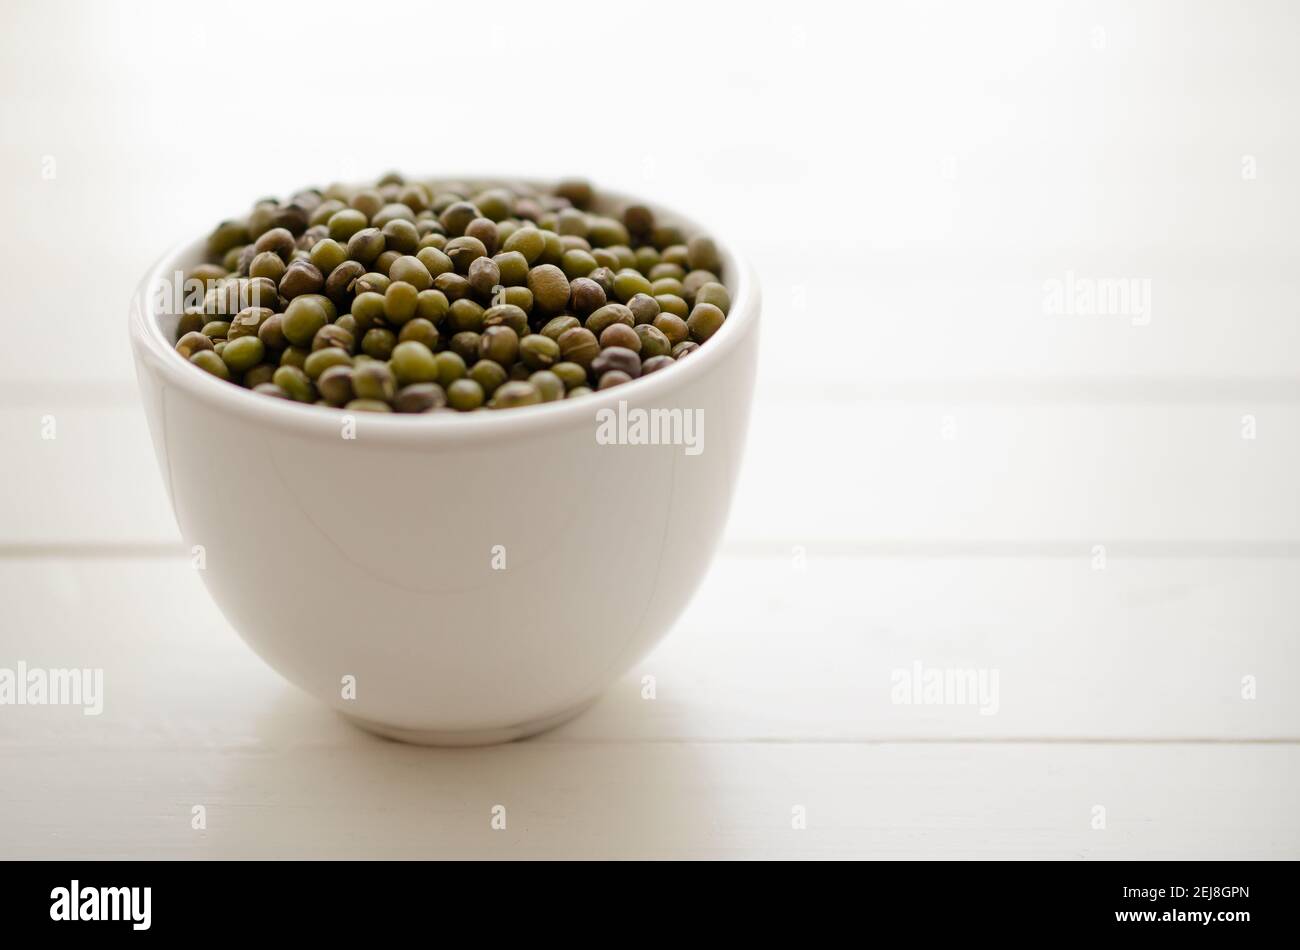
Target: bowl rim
424, 429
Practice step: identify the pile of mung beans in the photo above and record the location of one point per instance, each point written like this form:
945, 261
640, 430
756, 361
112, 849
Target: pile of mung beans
412, 296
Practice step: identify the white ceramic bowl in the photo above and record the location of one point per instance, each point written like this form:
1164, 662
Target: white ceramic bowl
378, 558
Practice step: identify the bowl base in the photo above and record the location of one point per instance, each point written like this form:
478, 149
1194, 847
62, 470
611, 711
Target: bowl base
469, 737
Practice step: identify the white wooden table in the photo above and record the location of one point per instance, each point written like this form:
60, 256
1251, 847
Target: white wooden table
1100, 510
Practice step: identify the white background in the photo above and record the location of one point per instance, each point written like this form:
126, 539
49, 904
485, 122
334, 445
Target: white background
939, 452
